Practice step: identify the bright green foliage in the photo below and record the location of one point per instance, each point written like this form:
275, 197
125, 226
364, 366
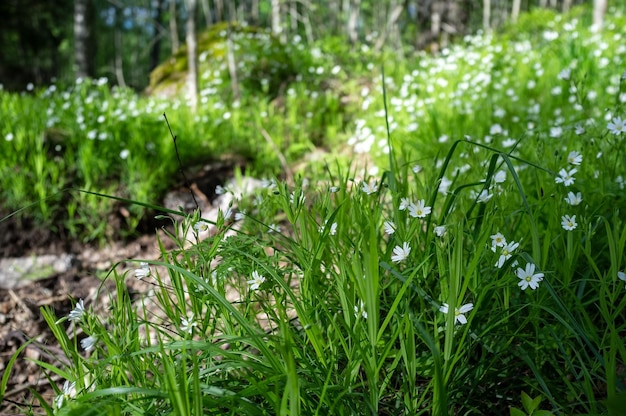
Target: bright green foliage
342, 295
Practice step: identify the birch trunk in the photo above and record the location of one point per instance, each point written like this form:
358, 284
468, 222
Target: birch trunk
174, 27
81, 38
599, 10
192, 55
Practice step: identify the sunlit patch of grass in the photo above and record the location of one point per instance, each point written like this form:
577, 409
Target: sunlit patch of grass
465, 275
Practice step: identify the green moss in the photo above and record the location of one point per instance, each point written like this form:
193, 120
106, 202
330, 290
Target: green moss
263, 63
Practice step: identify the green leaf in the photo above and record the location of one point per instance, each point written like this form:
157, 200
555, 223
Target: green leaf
527, 402
617, 404
543, 413
517, 412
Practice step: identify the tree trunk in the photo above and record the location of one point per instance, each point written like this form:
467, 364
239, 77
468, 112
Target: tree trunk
515, 9
219, 10
486, 15
353, 20
230, 53
192, 55
82, 33
276, 27
567, 4
155, 52
174, 27
395, 14
599, 10
333, 15
232, 67
293, 14
118, 65
254, 12
206, 10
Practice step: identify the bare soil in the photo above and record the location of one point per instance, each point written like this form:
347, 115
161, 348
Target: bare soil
20, 315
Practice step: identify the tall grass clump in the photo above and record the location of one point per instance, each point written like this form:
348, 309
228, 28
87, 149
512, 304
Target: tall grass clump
100, 138
481, 270
381, 294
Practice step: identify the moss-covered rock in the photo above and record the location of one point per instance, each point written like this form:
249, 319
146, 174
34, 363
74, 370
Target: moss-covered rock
263, 63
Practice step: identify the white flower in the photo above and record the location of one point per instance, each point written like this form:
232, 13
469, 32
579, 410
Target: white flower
617, 126
389, 227
369, 188
69, 390
404, 204
334, 189
500, 176
187, 324
88, 343
331, 231
528, 277
484, 196
556, 131
142, 271
565, 74
568, 223
579, 129
257, 280
416, 169
506, 253
297, 199
566, 177
620, 181
240, 215
495, 129
78, 311
574, 158
459, 318
574, 199
9, 137
201, 226
124, 154
220, 190
360, 310
274, 228
419, 210
497, 240
621, 276
401, 253
268, 183
440, 230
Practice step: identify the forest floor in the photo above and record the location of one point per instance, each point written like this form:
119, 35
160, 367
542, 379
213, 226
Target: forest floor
20, 316
88, 278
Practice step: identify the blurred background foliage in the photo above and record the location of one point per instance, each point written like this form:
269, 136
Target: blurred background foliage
124, 40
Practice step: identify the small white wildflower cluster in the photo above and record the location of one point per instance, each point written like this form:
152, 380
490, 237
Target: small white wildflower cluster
528, 277
485, 195
506, 249
416, 210
566, 177
76, 315
617, 126
143, 271
256, 281
332, 230
359, 310
459, 317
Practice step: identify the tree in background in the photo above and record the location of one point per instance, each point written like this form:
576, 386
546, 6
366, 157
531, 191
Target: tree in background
192, 55
125, 39
83, 33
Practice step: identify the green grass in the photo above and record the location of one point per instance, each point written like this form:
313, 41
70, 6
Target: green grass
347, 323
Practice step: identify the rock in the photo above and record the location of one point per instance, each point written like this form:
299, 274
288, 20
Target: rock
19, 271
